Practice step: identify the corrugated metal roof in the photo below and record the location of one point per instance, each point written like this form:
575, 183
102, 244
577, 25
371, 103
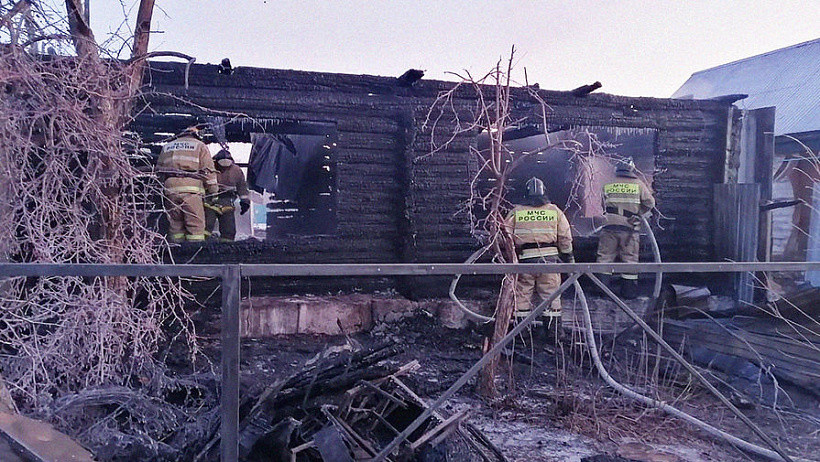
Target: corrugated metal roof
788, 78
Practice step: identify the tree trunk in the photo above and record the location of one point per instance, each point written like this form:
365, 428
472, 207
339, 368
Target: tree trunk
112, 106
142, 33
505, 306
503, 314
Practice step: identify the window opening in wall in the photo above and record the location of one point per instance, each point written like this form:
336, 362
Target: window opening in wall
298, 173
572, 174
292, 191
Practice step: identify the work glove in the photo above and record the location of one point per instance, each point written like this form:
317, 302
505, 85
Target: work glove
567, 257
244, 205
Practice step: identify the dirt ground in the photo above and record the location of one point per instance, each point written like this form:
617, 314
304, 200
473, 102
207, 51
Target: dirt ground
553, 406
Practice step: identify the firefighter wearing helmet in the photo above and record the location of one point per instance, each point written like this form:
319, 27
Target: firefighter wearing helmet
187, 173
541, 234
625, 199
221, 208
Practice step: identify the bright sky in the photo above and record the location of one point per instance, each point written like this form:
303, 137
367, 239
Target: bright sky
634, 47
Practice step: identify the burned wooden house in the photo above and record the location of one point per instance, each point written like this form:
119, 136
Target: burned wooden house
367, 190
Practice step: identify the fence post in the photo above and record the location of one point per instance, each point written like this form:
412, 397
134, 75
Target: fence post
229, 442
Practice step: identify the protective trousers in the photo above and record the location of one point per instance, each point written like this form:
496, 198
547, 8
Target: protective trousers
620, 243
226, 219
186, 216
544, 284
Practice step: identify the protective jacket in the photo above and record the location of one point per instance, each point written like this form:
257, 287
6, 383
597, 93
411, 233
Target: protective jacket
187, 171
624, 200
232, 184
187, 155
539, 231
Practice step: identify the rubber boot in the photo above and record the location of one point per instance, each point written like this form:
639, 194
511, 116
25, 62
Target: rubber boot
553, 332
629, 289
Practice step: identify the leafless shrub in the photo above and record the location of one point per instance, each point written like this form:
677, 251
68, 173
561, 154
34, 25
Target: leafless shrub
450, 121
71, 195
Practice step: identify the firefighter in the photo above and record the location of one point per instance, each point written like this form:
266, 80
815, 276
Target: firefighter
221, 207
625, 199
187, 172
541, 234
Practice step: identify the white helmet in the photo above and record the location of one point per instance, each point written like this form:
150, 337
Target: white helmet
626, 167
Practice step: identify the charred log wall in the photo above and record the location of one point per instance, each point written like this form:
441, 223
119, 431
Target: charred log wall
396, 204
689, 159
368, 154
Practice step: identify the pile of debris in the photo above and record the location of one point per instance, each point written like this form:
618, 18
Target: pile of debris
763, 348
347, 405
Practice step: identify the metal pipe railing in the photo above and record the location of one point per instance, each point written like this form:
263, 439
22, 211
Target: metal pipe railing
390, 269
231, 276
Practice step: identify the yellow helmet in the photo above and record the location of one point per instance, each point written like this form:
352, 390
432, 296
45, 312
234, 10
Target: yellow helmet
193, 130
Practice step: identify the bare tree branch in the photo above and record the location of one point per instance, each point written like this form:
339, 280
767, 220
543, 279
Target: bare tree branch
142, 34
20, 7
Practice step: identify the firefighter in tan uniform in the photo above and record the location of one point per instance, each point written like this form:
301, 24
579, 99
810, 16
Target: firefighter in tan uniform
187, 172
624, 200
232, 185
541, 234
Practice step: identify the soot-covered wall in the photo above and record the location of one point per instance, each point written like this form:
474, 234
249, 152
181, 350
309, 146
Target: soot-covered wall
396, 205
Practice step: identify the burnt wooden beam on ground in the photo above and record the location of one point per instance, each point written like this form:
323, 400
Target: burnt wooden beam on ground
789, 353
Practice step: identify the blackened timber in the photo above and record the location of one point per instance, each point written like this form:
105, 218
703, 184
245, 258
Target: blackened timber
383, 173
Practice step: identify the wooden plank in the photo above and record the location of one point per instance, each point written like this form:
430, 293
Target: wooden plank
443, 428
736, 225
39, 441
757, 154
802, 369
370, 156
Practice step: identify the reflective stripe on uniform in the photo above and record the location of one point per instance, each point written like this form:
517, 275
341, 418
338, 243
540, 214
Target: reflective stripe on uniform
614, 201
179, 157
178, 236
531, 231
195, 237
630, 277
187, 189
535, 253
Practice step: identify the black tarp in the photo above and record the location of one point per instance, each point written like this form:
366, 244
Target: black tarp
296, 171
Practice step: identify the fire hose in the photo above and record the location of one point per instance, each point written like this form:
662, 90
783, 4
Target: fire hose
776, 454
656, 252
